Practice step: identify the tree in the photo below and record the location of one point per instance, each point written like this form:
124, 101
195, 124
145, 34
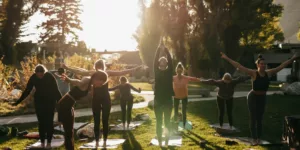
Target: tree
63, 20
149, 32
13, 14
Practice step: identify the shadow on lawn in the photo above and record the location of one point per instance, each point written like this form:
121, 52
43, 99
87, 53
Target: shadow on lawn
277, 108
198, 140
131, 142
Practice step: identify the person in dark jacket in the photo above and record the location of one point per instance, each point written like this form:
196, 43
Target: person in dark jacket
163, 91
45, 98
225, 94
126, 99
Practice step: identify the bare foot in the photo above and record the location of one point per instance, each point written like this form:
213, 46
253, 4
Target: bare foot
159, 144
97, 144
254, 142
167, 143
43, 145
48, 146
258, 141
104, 144
127, 126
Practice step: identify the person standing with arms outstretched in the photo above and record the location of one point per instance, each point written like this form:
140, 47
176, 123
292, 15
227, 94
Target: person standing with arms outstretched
225, 94
163, 91
45, 98
126, 99
101, 102
257, 96
180, 86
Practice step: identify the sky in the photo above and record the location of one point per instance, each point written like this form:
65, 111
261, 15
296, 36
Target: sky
107, 24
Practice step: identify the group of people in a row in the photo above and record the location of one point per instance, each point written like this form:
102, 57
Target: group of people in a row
168, 89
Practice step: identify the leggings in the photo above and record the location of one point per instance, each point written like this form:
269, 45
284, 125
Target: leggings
129, 103
161, 109
101, 105
256, 105
221, 107
184, 107
66, 117
45, 116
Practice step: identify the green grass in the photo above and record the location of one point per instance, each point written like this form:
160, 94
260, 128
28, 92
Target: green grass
201, 114
7, 109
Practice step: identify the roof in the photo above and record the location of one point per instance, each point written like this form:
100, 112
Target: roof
290, 19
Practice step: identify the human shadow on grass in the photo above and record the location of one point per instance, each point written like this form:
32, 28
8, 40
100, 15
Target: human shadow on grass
199, 140
131, 142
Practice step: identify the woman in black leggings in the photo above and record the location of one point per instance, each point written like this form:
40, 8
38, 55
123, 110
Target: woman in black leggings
126, 99
65, 105
163, 92
257, 96
45, 98
225, 94
101, 99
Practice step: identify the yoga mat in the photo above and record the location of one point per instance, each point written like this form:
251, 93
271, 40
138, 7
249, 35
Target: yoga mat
55, 143
132, 126
173, 141
248, 141
35, 135
225, 128
76, 126
110, 144
188, 126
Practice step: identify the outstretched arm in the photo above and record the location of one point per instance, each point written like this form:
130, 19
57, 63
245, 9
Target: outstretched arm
79, 71
135, 89
169, 58
80, 83
283, 65
241, 79
27, 91
209, 81
114, 88
156, 58
193, 79
122, 72
238, 65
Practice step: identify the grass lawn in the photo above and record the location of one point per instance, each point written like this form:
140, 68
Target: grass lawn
24, 108
201, 114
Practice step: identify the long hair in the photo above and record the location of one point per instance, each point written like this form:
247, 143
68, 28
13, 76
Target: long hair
100, 63
259, 58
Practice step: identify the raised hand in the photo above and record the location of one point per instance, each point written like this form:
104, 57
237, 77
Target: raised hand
223, 55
